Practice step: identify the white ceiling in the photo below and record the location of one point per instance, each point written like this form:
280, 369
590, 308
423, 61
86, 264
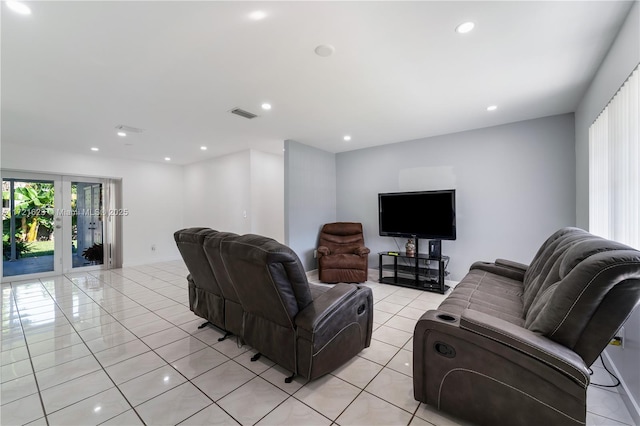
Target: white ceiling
72, 71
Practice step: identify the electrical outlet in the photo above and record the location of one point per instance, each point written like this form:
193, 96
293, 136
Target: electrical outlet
315, 254
618, 339
153, 247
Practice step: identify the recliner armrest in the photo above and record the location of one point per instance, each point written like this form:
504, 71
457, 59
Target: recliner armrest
362, 251
500, 269
332, 311
323, 251
527, 342
512, 265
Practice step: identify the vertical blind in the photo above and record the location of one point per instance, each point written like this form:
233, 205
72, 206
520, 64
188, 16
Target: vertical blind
614, 163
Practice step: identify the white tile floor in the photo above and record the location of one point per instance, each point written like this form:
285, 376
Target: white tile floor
122, 348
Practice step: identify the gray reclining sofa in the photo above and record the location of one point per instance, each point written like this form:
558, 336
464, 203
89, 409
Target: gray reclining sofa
511, 344
256, 288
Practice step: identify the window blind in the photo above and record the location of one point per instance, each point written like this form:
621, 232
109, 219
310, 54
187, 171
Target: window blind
614, 163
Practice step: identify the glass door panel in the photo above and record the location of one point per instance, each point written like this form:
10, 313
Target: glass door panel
87, 224
29, 226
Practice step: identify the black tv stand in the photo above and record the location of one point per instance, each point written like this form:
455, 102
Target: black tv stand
415, 271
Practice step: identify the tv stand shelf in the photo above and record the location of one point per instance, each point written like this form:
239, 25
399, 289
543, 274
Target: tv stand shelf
420, 271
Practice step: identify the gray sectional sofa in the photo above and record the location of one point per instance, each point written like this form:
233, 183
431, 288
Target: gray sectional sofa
512, 343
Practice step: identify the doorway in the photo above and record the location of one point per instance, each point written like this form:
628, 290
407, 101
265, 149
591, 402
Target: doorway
58, 224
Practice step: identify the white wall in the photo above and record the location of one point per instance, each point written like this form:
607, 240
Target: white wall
152, 192
623, 57
310, 197
515, 186
217, 193
241, 192
267, 195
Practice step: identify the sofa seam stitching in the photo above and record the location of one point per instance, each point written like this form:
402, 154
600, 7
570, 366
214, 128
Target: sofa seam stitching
475, 289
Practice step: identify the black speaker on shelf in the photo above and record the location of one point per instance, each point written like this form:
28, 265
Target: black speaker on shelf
435, 248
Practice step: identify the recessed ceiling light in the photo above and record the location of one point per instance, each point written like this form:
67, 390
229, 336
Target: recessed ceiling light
95, 149
266, 106
347, 138
492, 108
122, 134
167, 158
325, 50
465, 27
257, 15
19, 7
204, 148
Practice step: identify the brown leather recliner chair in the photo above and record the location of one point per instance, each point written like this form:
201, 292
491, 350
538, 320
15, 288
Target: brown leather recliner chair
342, 256
512, 343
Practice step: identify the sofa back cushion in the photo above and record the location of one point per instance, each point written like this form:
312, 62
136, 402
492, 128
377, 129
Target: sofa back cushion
272, 287
212, 251
582, 277
190, 244
233, 313
543, 270
267, 276
205, 296
342, 237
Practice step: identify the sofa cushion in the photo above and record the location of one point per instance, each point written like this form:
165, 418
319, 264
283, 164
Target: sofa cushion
212, 251
189, 242
205, 296
489, 293
318, 289
586, 273
233, 313
342, 261
251, 259
543, 270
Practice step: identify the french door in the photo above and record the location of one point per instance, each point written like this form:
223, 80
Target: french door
55, 224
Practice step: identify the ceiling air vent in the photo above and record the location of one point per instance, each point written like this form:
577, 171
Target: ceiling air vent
129, 129
243, 113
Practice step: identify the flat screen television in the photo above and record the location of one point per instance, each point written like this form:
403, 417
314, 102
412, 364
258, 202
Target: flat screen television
425, 214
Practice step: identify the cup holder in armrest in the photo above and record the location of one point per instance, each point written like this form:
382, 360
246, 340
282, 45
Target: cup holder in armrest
445, 317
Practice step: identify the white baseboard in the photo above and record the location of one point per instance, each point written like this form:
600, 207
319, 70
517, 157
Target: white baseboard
149, 261
631, 404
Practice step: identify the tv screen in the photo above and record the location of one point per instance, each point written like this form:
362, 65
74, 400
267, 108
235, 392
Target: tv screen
427, 214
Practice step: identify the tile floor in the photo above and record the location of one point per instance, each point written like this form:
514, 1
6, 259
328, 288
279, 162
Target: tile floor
122, 348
